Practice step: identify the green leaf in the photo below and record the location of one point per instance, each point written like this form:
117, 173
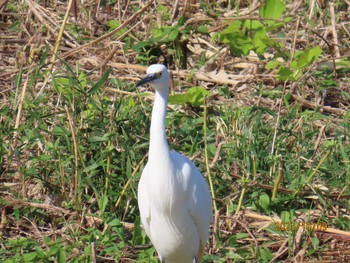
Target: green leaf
285, 73
261, 41
91, 167
114, 222
166, 15
265, 254
82, 79
61, 256
202, 29
44, 55
264, 201
286, 216
273, 64
43, 157
102, 203
29, 256
315, 241
313, 54
127, 45
272, 9
113, 24
173, 35
306, 58
39, 251
141, 45
60, 131
104, 138
137, 233
100, 82
194, 96
232, 240
18, 79
253, 24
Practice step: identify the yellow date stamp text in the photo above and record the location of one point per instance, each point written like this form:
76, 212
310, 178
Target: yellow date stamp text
306, 226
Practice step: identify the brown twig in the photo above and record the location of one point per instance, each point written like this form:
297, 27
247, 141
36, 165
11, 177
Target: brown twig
334, 29
31, 5
311, 105
111, 33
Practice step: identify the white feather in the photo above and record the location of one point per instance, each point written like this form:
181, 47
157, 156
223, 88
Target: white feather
173, 197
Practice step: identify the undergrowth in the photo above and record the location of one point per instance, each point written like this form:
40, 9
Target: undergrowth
74, 134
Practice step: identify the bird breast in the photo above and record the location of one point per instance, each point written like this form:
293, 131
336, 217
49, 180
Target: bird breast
167, 188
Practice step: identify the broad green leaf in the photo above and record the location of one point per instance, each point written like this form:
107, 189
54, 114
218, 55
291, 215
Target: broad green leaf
162, 33
173, 34
315, 241
40, 252
253, 24
194, 96
273, 64
114, 222
28, 257
202, 29
63, 81
61, 256
313, 54
272, 9
102, 203
113, 24
141, 45
242, 46
166, 15
306, 58
264, 201
82, 79
285, 73
286, 216
261, 41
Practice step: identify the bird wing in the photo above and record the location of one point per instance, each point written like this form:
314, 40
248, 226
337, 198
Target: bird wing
199, 199
200, 205
143, 200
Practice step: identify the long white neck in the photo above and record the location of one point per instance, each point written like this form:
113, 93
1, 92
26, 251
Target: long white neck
159, 148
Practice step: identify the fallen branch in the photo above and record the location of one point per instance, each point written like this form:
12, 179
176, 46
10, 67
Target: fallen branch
311, 105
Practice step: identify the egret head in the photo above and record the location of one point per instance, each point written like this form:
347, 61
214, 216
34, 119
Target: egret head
157, 76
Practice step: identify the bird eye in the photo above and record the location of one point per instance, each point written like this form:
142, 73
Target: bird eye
158, 75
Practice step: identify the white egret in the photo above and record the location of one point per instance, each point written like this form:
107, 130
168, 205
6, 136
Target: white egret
173, 197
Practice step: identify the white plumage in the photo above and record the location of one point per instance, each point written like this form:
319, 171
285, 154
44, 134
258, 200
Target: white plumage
173, 197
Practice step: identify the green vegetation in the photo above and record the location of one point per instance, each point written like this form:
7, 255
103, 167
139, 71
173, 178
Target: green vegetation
261, 100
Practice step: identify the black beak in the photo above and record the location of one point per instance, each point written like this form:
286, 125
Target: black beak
147, 79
